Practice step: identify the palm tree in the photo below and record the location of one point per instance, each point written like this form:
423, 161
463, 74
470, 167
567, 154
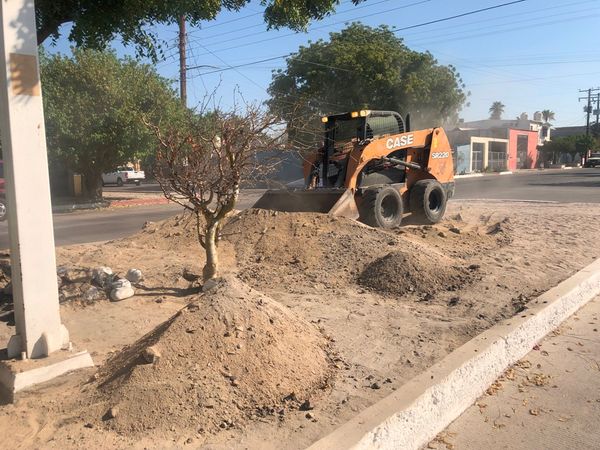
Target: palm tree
496, 110
547, 115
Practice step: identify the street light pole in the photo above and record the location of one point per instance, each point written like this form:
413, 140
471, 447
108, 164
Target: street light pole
39, 330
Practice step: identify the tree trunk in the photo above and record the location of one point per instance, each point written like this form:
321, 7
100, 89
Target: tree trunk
211, 267
93, 185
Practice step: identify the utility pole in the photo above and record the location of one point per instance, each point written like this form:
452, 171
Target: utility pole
589, 111
597, 110
588, 108
182, 62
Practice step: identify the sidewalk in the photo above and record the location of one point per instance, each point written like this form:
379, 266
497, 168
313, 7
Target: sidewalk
549, 400
512, 172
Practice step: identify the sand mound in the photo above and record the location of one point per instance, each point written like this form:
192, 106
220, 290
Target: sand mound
232, 355
413, 271
290, 249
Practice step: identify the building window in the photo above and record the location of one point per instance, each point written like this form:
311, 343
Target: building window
497, 156
477, 159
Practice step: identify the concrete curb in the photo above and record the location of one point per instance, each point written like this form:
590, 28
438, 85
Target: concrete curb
469, 175
79, 207
414, 414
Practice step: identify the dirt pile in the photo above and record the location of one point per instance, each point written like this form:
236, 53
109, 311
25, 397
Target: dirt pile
413, 270
298, 249
232, 355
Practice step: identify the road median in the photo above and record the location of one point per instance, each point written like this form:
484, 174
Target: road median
414, 414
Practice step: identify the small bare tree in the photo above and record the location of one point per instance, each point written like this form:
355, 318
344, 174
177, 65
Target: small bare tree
201, 164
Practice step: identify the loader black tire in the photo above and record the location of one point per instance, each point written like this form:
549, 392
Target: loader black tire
427, 201
381, 207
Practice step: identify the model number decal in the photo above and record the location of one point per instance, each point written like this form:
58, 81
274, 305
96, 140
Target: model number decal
440, 155
400, 141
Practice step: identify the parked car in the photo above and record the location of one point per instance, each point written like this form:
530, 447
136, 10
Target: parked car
123, 175
2, 194
592, 162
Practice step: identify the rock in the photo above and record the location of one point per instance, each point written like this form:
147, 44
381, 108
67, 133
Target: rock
120, 283
113, 412
134, 275
102, 276
121, 293
442, 234
74, 274
151, 355
210, 284
92, 293
309, 415
454, 301
474, 267
69, 292
455, 230
375, 386
190, 274
306, 406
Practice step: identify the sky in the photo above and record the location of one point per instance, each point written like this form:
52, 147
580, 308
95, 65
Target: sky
531, 56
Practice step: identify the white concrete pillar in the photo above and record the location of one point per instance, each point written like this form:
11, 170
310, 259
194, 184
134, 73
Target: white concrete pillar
35, 292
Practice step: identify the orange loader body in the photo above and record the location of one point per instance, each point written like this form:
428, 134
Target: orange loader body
377, 175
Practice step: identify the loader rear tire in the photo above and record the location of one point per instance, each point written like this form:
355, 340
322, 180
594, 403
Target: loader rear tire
381, 207
427, 199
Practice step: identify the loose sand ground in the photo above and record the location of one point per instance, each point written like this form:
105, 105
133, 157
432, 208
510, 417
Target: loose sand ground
385, 314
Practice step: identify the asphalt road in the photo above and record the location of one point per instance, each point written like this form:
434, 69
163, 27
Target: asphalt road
576, 185
565, 186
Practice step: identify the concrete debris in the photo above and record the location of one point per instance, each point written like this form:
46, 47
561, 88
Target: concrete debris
134, 275
121, 283
151, 355
121, 293
102, 276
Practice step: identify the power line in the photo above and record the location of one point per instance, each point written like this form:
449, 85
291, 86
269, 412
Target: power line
369, 5
457, 16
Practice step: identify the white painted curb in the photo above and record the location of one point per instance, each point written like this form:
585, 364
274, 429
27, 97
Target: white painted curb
414, 414
469, 175
507, 172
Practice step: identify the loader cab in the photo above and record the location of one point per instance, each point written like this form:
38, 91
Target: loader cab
345, 132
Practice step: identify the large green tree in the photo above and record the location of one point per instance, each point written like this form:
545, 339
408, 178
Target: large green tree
93, 103
97, 22
364, 67
572, 145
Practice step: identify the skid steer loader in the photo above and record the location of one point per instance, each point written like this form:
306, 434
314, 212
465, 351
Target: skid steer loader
372, 167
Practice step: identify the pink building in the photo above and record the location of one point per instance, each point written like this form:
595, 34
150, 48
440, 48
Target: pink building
522, 149
497, 145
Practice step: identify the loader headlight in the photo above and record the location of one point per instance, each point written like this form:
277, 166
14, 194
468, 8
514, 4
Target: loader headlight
324, 119
364, 112
354, 114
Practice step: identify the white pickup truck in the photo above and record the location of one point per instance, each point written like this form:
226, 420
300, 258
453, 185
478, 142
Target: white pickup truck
123, 175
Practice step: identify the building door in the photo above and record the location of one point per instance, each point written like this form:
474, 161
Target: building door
522, 157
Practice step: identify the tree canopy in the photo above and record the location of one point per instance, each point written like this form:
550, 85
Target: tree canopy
496, 110
93, 104
97, 22
569, 144
364, 67
548, 115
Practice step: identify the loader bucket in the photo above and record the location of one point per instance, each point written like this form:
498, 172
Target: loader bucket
337, 202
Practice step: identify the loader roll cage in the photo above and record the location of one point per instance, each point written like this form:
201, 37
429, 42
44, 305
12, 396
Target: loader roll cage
344, 131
